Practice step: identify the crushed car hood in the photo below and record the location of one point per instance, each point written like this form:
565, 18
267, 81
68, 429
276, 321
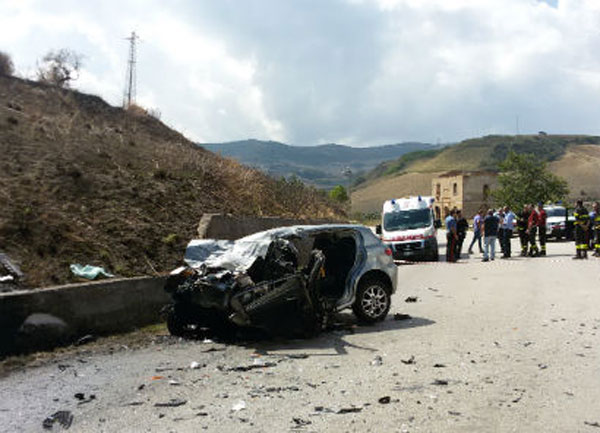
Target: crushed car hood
239, 255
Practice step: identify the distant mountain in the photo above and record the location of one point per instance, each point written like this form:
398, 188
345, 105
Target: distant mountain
574, 157
322, 165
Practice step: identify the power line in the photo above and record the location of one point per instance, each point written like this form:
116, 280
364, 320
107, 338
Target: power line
131, 78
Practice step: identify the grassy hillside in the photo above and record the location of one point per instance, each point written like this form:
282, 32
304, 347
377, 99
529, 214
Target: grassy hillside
572, 156
84, 182
322, 165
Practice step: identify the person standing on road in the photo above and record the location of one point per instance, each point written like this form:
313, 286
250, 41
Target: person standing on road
582, 223
508, 226
477, 225
462, 225
490, 233
542, 227
522, 221
532, 225
595, 223
451, 236
500, 215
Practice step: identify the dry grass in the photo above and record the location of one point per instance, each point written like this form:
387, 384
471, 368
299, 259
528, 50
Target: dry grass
85, 182
370, 198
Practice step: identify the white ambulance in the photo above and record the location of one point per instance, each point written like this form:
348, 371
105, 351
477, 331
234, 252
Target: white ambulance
408, 228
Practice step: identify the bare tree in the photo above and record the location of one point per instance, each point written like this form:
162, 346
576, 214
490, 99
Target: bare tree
6, 64
60, 67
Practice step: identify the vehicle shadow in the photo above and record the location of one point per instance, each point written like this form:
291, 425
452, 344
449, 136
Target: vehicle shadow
344, 324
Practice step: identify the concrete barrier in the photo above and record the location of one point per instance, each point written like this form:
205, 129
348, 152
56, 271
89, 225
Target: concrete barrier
98, 308
218, 226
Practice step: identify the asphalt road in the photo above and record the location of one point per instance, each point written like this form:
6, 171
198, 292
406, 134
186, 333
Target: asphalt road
503, 346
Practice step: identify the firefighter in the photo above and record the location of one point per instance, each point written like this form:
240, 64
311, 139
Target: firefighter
595, 223
542, 227
522, 220
532, 226
582, 223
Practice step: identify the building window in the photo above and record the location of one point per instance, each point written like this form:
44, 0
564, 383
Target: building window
455, 188
486, 192
438, 189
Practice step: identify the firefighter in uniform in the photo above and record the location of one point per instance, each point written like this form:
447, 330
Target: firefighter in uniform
542, 217
532, 226
522, 221
595, 223
582, 222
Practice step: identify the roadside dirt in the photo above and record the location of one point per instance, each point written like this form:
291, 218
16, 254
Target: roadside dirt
504, 346
84, 182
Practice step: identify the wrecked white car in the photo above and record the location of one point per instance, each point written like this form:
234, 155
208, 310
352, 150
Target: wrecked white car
285, 281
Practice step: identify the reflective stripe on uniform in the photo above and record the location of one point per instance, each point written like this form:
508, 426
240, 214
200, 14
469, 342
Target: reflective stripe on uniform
581, 246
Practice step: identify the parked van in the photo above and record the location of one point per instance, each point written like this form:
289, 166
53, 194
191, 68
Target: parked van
408, 228
559, 223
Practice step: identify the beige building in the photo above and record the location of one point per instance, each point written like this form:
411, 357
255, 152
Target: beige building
465, 190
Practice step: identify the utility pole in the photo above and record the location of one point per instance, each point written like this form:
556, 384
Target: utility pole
131, 79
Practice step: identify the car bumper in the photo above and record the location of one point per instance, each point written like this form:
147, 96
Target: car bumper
414, 250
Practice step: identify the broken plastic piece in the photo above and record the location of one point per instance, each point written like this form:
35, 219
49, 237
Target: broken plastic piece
89, 272
239, 405
63, 417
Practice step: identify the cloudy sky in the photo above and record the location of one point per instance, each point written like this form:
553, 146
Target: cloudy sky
358, 72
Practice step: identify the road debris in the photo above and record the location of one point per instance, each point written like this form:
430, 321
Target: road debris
408, 361
439, 365
441, 382
174, 402
253, 366
411, 299
194, 365
239, 405
64, 418
346, 410
81, 397
377, 361
385, 400
89, 272
85, 340
592, 424
299, 422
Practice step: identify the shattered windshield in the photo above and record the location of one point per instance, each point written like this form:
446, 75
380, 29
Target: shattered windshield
407, 220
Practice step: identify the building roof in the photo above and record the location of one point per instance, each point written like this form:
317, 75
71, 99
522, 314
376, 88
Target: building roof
466, 173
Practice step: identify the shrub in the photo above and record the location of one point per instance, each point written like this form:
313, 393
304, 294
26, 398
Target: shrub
6, 64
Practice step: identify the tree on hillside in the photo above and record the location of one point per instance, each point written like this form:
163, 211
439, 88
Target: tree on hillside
6, 64
339, 194
60, 67
525, 179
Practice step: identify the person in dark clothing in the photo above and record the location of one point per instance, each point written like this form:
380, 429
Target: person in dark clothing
490, 233
532, 226
522, 221
595, 223
542, 227
451, 236
462, 225
582, 223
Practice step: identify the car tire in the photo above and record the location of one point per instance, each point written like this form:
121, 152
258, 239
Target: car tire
175, 324
373, 300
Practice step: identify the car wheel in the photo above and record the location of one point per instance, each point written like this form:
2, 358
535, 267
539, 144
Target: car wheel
373, 300
175, 324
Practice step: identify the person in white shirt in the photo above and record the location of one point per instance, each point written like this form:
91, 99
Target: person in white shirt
508, 226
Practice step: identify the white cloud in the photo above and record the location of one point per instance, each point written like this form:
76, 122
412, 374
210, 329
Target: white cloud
355, 71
